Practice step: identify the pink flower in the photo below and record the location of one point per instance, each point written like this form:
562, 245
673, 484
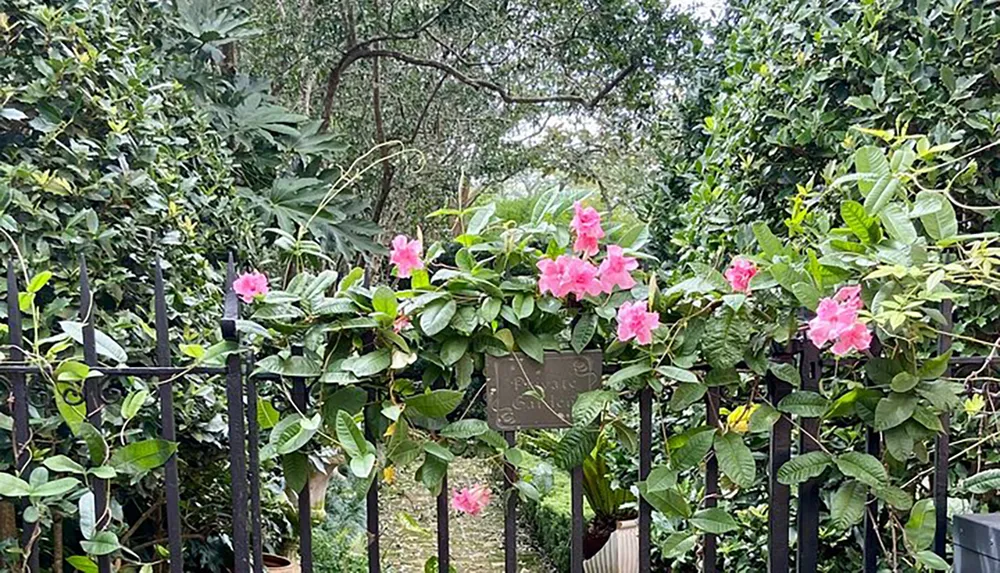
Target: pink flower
551, 277
471, 500
402, 322
856, 337
837, 320
831, 320
566, 275
635, 322
250, 285
616, 269
587, 224
739, 273
580, 278
850, 296
406, 255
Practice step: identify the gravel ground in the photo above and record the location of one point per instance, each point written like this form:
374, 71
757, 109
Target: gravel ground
476, 542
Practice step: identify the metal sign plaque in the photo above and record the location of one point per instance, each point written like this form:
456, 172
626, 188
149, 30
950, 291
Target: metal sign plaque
523, 394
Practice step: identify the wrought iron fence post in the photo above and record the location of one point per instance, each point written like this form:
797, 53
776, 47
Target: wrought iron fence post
165, 392
300, 397
941, 448
19, 392
778, 493
237, 432
810, 372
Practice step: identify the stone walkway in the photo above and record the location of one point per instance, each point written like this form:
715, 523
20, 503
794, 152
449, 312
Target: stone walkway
407, 512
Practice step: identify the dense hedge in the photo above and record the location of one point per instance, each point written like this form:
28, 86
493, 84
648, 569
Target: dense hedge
779, 89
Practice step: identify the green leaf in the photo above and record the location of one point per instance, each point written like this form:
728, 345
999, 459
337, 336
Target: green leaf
298, 366
661, 478
896, 497
96, 446
523, 304
490, 309
870, 160
866, 468
668, 502
942, 223
453, 349
293, 432
629, 372
437, 450
897, 223
804, 403
589, 405
82, 563
349, 435
64, 464
857, 220
686, 394
919, 528
133, 403
881, 193
103, 344
530, 345
726, 337
786, 372
54, 488
295, 467
267, 414
143, 456
38, 281
899, 442
735, 459
575, 445
847, 506
934, 368
894, 410
104, 543
11, 486
768, 242
689, 448
437, 316
807, 295
384, 301
368, 364
583, 331
983, 482
435, 404
679, 374
803, 467
465, 429
714, 520
481, 219
932, 560
904, 382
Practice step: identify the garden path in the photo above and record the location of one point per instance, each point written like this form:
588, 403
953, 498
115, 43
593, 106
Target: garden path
476, 542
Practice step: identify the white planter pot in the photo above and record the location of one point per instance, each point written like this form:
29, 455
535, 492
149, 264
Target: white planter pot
620, 554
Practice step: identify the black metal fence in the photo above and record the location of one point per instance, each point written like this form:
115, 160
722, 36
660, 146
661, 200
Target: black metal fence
241, 391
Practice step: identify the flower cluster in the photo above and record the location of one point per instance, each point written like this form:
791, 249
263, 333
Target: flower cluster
567, 274
472, 500
739, 273
837, 320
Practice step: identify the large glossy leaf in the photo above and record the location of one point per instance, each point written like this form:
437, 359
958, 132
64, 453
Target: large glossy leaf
714, 520
368, 364
143, 456
437, 316
847, 506
436, 403
103, 344
866, 468
735, 459
803, 467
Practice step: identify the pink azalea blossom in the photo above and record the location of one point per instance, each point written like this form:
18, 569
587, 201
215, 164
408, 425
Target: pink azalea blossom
406, 255
402, 322
739, 273
472, 500
552, 272
587, 224
566, 275
580, 278
616, 269
635, 322
251, 285
856, 337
